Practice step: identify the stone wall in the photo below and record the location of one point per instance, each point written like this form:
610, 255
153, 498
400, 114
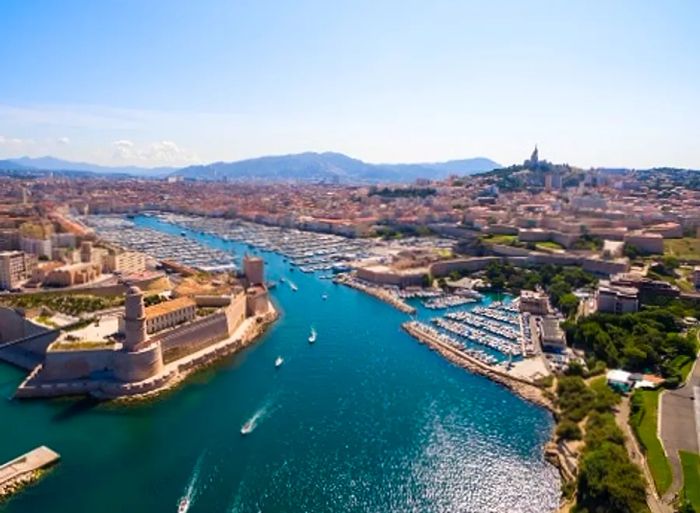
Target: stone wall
503, 250
193, 336
403, 279
68, 365
236, 312
14, 327
445, 267
256, 301
138, 365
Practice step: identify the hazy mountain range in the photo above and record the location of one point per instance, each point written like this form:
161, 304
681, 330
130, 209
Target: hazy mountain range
331, 167
309, 166
54, 164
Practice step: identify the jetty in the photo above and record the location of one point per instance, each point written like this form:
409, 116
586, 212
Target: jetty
379, 293
526, 389
25, 469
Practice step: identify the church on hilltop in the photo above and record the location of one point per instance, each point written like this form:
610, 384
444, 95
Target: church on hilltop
533, 162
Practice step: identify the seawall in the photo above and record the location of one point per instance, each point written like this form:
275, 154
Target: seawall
523, 388
380, 294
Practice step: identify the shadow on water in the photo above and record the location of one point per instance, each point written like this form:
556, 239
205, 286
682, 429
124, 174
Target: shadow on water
76, 408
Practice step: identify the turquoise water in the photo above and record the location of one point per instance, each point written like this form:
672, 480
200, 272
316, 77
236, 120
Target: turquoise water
364, 420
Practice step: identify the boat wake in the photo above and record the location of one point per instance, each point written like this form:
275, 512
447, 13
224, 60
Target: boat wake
191, 490
261, 414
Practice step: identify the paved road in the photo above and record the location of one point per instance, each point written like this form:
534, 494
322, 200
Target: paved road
680, 429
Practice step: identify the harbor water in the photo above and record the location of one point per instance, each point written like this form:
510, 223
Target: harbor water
364, 420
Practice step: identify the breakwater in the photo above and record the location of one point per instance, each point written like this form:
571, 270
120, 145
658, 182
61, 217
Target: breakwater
379, 293
522, 387
21, 471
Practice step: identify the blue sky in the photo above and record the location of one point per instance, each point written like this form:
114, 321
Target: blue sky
172, 82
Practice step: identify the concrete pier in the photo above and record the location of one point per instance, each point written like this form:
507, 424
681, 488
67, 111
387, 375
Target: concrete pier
24, 469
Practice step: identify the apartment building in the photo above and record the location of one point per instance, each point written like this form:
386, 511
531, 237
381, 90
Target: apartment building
15, 267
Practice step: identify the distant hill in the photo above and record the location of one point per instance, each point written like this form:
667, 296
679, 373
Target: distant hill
11, 165
331, 167
310, 166
53, 164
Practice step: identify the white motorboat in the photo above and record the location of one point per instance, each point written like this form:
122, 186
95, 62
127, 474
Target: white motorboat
279, 361
312, 337
247, 427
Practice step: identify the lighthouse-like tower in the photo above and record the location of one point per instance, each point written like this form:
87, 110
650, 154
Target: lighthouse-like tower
134, 320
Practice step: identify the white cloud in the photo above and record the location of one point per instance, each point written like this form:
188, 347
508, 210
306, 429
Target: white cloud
12, 141
63, 140
157, 153
124, 150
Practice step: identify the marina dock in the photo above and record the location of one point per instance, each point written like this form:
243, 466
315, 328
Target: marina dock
25, 469
522, 387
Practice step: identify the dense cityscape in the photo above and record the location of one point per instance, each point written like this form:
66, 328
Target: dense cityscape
595, 272
350, 257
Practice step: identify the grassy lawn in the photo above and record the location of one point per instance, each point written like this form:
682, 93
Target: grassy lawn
684, 363
46, 321
644, 421
686, 248
691, 478
507, 240
549, 245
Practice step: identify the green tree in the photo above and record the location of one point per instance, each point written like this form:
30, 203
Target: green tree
568, 430
568, 304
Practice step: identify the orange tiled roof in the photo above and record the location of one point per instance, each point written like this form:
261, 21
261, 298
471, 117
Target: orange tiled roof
168, 306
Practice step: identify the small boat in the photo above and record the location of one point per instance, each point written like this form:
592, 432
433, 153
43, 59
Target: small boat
184, 234
324, 296
293, 287
279, 361
247, 427
312, 337
184, 505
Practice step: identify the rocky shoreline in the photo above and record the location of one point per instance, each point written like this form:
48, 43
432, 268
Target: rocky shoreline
378, 293
19, 483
